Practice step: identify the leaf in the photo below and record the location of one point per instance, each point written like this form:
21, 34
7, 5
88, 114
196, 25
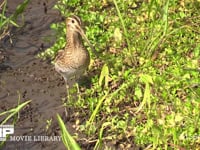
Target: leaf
138, 92
145, 78
117, 35
104, 76
20, 9
146, 99
67, 139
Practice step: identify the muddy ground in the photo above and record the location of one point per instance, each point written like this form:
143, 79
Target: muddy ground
21, 73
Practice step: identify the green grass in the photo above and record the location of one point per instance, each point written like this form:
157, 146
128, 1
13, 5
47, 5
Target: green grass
67, 139
11, 116
145, 88
5, 21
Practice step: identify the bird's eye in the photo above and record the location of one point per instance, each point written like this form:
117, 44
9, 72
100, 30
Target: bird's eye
73, 21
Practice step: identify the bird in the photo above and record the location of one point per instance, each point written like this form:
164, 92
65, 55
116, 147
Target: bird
74, 59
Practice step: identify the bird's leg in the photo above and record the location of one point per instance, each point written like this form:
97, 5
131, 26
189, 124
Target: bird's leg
77, 86
67, 88
78, 91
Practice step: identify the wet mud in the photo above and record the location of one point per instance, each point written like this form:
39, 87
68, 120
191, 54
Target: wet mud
24, 77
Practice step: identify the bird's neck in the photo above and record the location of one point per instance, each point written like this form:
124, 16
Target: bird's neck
74, 40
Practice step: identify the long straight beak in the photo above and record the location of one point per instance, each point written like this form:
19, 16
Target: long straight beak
86, 39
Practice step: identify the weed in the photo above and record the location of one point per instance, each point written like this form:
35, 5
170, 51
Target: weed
5, 21
145, 81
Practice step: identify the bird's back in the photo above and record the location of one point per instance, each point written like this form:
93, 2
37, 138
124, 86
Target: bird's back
72, 62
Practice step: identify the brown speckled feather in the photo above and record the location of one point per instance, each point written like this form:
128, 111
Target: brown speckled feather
74, 59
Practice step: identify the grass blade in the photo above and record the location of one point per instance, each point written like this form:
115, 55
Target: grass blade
67, 139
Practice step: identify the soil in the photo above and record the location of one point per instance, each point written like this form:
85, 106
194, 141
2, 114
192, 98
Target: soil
24, 77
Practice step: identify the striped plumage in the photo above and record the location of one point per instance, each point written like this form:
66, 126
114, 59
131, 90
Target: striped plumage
74, 59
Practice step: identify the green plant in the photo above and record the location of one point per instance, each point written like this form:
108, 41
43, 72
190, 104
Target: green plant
67, 139
13, 114
6, 21
145, 80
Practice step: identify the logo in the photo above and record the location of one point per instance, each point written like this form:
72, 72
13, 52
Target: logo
5, 130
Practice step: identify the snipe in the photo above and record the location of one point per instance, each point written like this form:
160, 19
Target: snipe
73, 60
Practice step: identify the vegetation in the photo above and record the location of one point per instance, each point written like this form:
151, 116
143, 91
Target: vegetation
11, 20
145, 80
68, 140
145, 77
11, 116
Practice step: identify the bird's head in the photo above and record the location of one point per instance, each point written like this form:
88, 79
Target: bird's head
74, 25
